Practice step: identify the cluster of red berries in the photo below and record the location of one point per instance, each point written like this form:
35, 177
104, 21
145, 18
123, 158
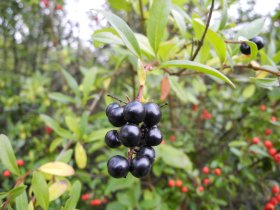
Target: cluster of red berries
206, 115
177, 183
46, 4
94, 202
216, 171
274, 200
7, 173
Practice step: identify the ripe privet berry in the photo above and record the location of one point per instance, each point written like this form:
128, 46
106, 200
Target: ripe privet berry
116, 117
140, 166
272, 151
153, 136
245, 49
118, 166
134, 112
206, 182
20, 162
85, 196
258, 40
112, 139
153, 114
256, 140
148, 152
96, 202
130, 135
110, 107
276, 158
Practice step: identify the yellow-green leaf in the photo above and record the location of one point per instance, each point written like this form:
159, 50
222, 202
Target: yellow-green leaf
40, 189
141, 73
57, 168
57, 189
80, 156
249, 91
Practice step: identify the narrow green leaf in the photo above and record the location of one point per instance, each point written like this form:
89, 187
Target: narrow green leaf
249, 91
106, 37
224, 14
124, 31
80, 156
22, 201
72, 123
61, 97
197, 67
144, 45
7, 155
40, 189
15, 192
88, 82
142, 74
83, 124
71, 82
251, 29
258, 150
237, 144
157, 21
180, 21
66, 156
75, 192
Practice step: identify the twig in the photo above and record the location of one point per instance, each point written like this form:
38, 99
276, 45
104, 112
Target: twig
200, 43
119, 100
163, 105
140, 93
142, 14
233, 42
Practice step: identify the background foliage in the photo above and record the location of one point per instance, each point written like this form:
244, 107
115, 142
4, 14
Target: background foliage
53, 97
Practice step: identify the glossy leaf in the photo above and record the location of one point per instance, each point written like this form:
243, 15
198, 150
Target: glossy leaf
124, 31
57, 189
157, 21
80, 156
106, 37
7, 155
197, 67
224, 14
16, 192
57, 168
98, 134
40, 189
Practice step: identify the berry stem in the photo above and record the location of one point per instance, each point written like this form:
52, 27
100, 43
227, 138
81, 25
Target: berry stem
163, 105
114, 97
233, 42
140, 93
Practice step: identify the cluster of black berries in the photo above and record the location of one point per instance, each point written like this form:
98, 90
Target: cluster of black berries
245, 48
138, 132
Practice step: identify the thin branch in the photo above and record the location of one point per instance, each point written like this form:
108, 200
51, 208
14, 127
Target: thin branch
142, 14
140, 93
205, 31
114, 97
233, 42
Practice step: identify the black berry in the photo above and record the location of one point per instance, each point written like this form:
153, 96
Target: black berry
153, 137
110, 107
153, 114
148, 152
134, 112
130, 135
245, 49
118, 166
116, 117
140, 166
258, 41
112, 139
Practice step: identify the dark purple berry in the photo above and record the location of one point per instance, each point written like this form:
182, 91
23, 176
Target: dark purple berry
148, 152
134, 112
258, 40
110, 107
118, 166
130, 135
116, 117
112, 139
153, 114
140, 166
245, 49
153, 137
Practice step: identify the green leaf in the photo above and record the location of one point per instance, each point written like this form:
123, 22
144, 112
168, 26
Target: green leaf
97, 135
40, 189
258, 150
88, 82
157, 21
268, 83
119, 184
55, 126
22, 201
175, 158
72, 123
115, 205
83, 124
144, 44
75, 193
249, 91
124, 31
120, 5
61, 97
142, 74
179, 19
80, 156
251, 29
237, 144
15, 192
66, 156
57, 189
57, 168
197, 67
224, 14
71, 82
106, 37
7, 155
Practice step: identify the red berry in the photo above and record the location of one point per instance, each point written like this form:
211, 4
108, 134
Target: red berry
184, 189
58, 7
263, 107
256, 140
85, 196
206, 182
201, 189
48, 130
275, 189
272, 151
171, 183
277, 158
179, 183
6, 173
278, 198
268, 132
206, 115
96, 202
217, 171
172, 138
268, 144
20, 162
194, 107
269, 206
273, 119
205, 170
273, 201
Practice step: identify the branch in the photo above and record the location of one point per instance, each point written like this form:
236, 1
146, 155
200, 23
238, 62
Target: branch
233, 42
142, 14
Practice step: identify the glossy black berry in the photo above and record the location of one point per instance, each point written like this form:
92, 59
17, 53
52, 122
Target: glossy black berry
116, 117
110, 107
134, 112
148, 152
112, 139
245, 49
258, 40
130, 135
140, 166
153, 114
118, 166
153, 137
